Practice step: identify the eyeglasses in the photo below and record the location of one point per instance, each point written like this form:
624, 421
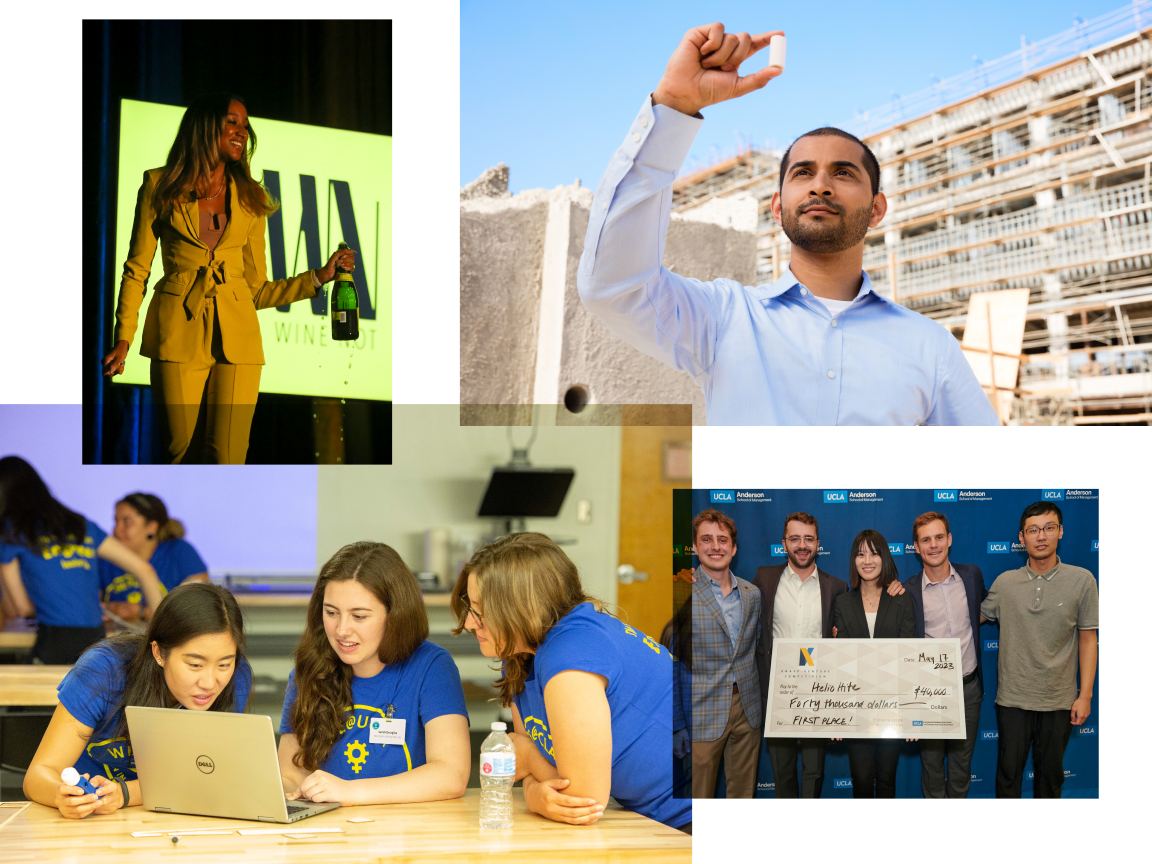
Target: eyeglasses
1034, 530
479, 618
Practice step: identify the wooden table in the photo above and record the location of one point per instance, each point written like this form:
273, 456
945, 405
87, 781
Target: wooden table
30, 685
435, 831
17, 634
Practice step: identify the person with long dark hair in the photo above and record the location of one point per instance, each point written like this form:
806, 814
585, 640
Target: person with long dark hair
48, 565
200, 330
870, 612
365, 654
143, 525
192, 656
591, 697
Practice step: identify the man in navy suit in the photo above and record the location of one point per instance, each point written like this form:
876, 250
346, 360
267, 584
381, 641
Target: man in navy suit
947, 599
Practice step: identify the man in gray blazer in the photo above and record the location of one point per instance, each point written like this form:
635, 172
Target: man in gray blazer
797, 603
726, 704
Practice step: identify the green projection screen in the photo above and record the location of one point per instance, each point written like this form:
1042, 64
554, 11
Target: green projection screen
333, 186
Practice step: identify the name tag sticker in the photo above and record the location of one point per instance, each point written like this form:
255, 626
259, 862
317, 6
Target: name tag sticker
384, 731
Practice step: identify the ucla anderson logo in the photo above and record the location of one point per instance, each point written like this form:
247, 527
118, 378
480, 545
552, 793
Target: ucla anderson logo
945, 494
994, 548
1087, 730
723, 496
989, 734
844, 784
896, 548
1053, 494
778, 550
836, 496
807, 657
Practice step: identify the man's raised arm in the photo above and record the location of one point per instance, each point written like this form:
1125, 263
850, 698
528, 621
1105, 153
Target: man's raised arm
621, 279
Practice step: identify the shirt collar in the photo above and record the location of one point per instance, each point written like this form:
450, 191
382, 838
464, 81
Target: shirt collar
1046, 576
731, 576
952, 574
788, 282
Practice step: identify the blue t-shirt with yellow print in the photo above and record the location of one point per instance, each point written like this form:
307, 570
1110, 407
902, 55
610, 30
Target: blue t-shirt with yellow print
62, 579
639, 673
173, 560
91, 693
420, 689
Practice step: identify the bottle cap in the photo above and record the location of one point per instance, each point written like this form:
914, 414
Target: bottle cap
499, 726
70, 776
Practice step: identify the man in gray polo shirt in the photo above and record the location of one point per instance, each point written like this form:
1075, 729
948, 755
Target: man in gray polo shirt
1048, 613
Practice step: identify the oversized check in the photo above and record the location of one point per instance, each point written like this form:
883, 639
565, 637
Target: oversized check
865, 688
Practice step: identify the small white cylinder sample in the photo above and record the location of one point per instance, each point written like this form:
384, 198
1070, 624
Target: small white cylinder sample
70, 776
776, 51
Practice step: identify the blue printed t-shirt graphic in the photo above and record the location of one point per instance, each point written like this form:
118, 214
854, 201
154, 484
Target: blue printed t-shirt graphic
91, 693
421, 688
639, 673
61, 579
174, 561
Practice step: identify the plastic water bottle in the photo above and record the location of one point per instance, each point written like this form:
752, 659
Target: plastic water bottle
497, 774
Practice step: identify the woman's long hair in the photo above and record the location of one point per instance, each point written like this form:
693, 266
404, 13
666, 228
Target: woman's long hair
29, 515
152, 509
196, 151
879, 546
323, 680
529, 584
187, 611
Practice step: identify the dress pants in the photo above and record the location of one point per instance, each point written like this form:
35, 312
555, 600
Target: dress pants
1047, 734
783, 751
227, 390
873, 764
739, 747
958, 753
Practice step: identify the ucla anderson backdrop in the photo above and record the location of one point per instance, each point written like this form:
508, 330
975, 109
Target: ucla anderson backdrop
985, 527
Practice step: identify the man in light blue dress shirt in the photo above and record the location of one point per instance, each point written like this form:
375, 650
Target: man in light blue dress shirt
818, 347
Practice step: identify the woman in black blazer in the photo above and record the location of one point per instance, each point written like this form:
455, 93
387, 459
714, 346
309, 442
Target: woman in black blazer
869, 612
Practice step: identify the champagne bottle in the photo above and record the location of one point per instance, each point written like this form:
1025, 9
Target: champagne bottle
345, 305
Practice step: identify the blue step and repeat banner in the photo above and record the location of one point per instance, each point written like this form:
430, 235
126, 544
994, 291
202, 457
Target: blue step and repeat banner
985, 526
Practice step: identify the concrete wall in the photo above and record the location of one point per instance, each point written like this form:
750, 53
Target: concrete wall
524, 334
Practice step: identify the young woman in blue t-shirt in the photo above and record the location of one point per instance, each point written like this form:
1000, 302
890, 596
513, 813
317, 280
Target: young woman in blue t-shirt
48, 565
144, 526
374, 712
192, 656
591, 697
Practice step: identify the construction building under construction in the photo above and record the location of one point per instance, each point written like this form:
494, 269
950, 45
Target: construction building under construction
1019, 198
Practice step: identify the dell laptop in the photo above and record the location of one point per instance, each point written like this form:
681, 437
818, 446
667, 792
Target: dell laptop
211, 763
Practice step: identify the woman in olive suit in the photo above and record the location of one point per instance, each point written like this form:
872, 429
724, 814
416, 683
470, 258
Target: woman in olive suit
868, 611
200, 330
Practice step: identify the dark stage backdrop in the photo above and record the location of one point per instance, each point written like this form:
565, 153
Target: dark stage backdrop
323, 73
985, 527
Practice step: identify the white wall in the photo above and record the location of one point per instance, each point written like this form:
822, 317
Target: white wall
439, 472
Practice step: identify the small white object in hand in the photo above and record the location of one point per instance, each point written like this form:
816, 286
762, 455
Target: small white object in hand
776, 51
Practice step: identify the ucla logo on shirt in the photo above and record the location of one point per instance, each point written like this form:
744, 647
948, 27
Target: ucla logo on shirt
945, 495
115, 756
836, 496
537, 730
896, 548
778, 550
74, 554
1053, 494
991, 644
354, 747
723, 496
989, 734
844, 783
996, 547
125, 589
